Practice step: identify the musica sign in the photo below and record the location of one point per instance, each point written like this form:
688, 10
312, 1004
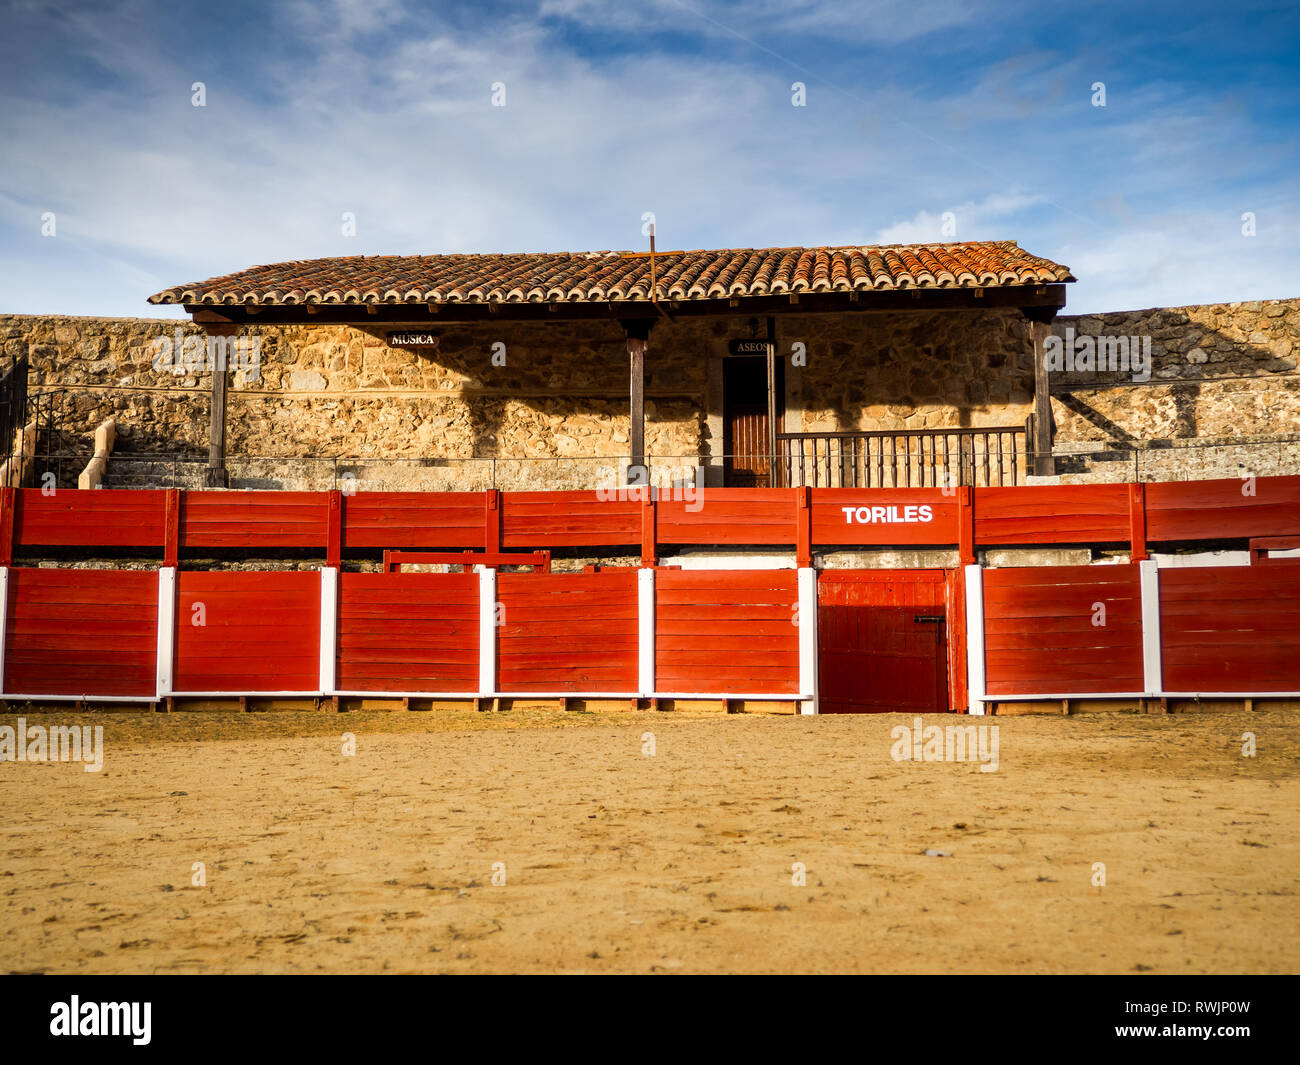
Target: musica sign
412, 339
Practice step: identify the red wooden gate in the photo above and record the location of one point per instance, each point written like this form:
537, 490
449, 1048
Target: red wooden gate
884, 641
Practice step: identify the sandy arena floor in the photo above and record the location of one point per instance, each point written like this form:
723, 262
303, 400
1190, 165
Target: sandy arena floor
616, 861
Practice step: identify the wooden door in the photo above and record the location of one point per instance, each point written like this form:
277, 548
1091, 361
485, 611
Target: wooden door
744, 413
883, 641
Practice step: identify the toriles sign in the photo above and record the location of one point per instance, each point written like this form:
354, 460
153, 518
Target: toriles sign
887, 515
410, 339
916, 516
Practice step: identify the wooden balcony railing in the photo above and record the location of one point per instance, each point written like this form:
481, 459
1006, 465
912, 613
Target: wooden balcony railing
988, 457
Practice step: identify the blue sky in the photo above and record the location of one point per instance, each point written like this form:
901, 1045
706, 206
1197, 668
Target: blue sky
383, 108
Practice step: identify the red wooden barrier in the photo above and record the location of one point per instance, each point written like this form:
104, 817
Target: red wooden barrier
567, 632
81, 632
1231, 628
408, 632
1052, 514
330, 523
109, 517
720, 632
247, 632
1042, 636
429, 520
568, 519
1213, 510
254, 519
730, 516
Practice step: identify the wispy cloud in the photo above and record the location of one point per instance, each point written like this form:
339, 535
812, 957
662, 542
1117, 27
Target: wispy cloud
385, 110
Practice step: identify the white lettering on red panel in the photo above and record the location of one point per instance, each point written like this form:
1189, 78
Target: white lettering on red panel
888, 515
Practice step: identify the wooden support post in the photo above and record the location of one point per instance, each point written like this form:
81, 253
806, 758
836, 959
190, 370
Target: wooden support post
329, 628
217, 474
966, 525
1040, 319
638, 339
166, 641
334, 535
803, 526
636, 433
1152, 670
7, 501
649, 530
975, 690
487, 632
645, 588
1137, 522
772, 475
172, 528
806, 578
492, 521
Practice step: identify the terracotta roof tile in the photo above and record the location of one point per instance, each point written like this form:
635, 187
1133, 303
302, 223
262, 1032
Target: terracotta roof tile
608, 276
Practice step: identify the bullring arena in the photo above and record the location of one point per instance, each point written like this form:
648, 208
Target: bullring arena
1142, 821
620, 862
754, 611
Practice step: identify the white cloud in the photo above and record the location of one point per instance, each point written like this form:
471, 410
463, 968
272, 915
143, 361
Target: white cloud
385, 111
990, 219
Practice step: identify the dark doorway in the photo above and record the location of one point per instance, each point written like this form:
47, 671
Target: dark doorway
744, 415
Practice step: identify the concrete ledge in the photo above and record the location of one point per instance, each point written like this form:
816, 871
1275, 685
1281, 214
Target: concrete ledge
105, 437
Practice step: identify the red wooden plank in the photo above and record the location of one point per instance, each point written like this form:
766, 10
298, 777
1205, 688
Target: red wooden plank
1040, 631
568, 631
1231, 628
728, 516
965, 527
172, 527
1137, 520
81, 632
419, 520
260, 631
1223, 509
6, 525
334, 535
649, 532
732, 632
803, 526
492, 521
955, 587
101, 518
569, 519
255, 519
1052, 514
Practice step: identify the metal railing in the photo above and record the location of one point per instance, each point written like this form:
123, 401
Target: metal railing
1096, 462
903, 458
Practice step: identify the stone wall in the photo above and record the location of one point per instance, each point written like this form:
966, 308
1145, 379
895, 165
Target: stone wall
340, 391
556, 413
1219, 370
1222, 398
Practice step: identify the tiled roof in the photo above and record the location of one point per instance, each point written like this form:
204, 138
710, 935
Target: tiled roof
609, 276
